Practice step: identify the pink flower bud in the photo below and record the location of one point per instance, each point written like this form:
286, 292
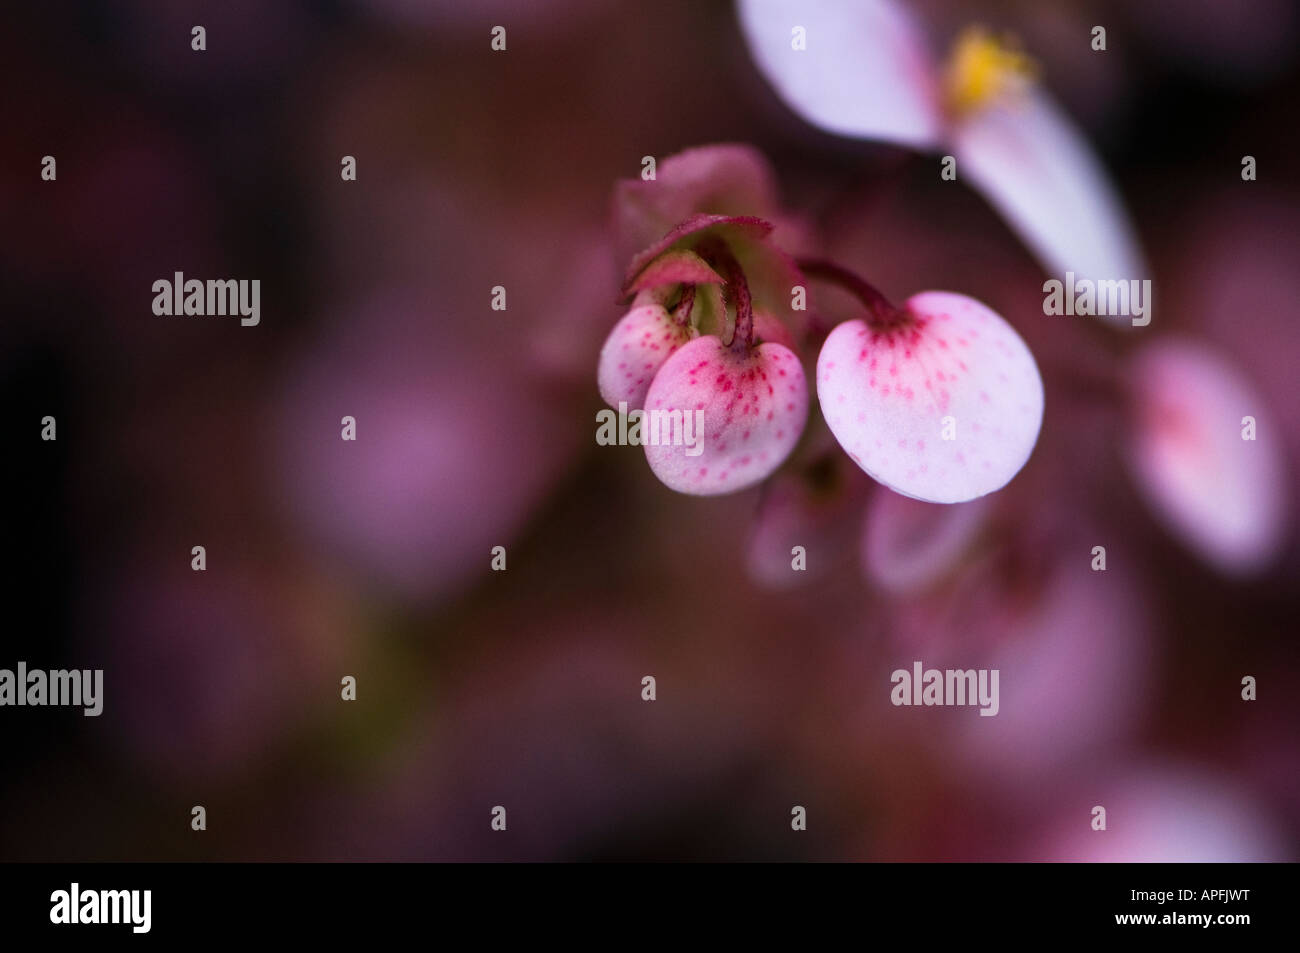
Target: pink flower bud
638, 346
753, 401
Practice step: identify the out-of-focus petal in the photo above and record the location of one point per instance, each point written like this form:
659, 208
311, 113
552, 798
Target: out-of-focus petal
453, 450
1223, 495
1035, 168
1241, 252
815, 506
866, 71
908, 544
1073, 649
1072, 663
1166, 815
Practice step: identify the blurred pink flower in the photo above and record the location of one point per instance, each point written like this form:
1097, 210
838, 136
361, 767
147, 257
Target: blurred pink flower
867, 72
1220, 493
1165, 814
1238, 253
447, 462
908, 544
814, 504
1073, 648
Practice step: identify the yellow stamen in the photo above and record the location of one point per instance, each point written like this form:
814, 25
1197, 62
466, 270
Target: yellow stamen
983, 69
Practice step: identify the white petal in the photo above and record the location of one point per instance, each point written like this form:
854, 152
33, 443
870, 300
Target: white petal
642, 340
866, 71
1039, 173
945, 411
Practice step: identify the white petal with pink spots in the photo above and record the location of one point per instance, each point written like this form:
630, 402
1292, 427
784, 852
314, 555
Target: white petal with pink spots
634, 351
755, 404
887, 394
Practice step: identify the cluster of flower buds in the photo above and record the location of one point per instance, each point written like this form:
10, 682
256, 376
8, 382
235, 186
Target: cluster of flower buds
698, 339
938, 398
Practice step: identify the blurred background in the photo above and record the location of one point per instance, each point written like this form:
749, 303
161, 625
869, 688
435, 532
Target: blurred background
476, 429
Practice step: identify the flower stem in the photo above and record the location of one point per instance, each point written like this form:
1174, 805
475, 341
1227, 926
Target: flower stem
682, 313
735, 291
880, 312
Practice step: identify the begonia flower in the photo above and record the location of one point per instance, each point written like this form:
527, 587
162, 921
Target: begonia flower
866, 70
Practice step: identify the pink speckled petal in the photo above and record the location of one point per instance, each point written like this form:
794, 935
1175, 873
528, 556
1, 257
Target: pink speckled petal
634, 352
1224, 496
866, 71
755, 405
887, 396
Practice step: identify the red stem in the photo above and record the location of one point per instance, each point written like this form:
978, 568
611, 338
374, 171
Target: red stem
735, 291
879, 309
684, 306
